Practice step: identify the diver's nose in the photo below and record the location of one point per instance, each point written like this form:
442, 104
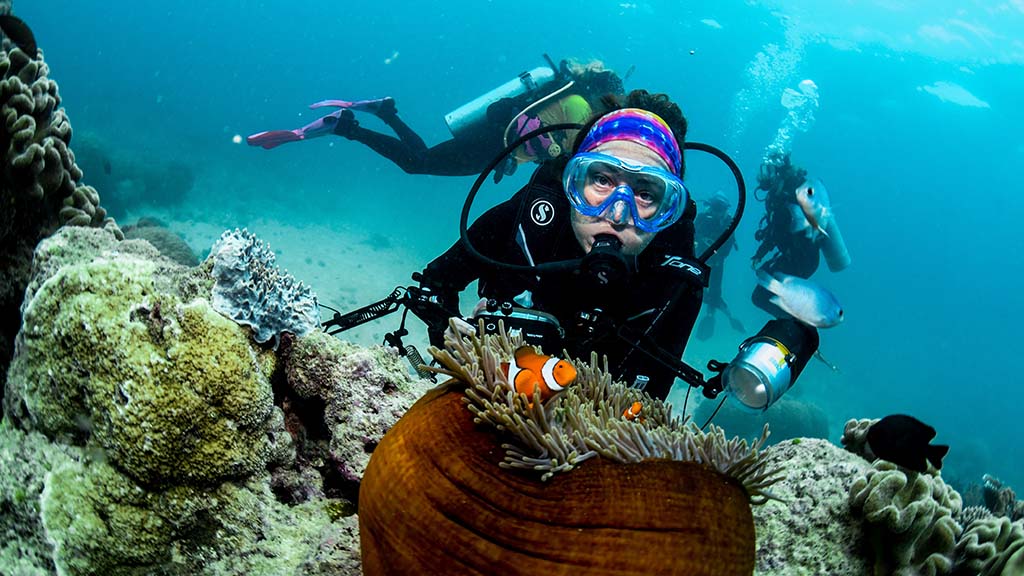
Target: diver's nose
619, 212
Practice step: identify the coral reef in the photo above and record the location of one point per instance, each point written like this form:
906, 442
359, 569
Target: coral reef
252, 291
1001, 500
992, 546
25, 459
39, 187
169, 244
855, 437
159, 428
477, 509
788, 418
361, 394
104, 357
809, 528
131, 180
910, 519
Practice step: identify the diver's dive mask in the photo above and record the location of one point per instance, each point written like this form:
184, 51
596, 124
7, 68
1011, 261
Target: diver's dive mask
600, 185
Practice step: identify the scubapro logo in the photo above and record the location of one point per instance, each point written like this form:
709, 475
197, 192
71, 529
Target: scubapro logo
542, 212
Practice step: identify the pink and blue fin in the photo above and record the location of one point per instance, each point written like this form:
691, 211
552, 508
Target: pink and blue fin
274, 138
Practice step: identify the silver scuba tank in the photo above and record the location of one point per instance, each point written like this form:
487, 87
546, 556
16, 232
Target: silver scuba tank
471, 113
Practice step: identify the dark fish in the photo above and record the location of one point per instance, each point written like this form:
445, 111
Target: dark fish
904, 440
106, 167
19, 33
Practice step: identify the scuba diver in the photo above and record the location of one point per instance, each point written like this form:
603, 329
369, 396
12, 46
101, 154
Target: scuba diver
544, 96
709, 223
622, 192
596, 255
797, 224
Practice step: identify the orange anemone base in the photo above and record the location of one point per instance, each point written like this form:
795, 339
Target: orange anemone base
434, 501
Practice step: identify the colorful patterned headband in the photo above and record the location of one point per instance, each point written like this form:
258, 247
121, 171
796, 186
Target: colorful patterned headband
640, 126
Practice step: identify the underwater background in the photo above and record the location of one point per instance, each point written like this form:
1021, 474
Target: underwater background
917, 136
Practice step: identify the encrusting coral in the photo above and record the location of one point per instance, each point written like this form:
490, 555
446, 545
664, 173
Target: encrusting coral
460, 511
810, 528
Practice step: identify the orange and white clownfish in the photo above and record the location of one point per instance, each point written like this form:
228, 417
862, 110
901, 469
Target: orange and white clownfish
633, 411
531, 370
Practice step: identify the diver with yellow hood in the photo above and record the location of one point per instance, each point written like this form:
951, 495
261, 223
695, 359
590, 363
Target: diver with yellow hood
565, 93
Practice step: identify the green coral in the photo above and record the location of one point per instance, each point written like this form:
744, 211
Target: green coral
910, 519
167, 389
992, 546
100, 522
25, 459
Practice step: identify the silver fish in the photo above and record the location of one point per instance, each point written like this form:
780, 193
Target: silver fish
815, 207
807, 301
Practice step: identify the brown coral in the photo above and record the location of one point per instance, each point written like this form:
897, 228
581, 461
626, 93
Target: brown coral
39, 188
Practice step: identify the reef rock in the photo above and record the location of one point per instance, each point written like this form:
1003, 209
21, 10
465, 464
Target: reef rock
360, 392
810, 528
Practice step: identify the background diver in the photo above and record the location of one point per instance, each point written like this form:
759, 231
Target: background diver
710, 222
567, 93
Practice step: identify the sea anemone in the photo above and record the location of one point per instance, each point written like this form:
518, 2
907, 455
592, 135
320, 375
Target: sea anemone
586, 419
439, 491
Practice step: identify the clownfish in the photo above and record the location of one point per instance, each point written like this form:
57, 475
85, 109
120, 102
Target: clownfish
633, 411
531, 370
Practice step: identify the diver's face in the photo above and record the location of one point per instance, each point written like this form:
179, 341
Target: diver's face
587, 228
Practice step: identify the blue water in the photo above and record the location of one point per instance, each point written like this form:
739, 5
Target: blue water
925, 189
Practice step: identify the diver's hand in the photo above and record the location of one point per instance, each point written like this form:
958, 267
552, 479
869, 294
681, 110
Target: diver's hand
457, 328
464, 326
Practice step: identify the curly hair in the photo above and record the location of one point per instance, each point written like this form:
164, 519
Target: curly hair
659, 104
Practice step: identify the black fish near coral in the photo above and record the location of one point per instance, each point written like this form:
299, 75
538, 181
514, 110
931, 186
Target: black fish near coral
19, 33
904, 440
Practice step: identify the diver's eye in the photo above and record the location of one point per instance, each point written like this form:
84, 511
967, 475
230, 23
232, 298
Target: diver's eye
602, 180
645, 196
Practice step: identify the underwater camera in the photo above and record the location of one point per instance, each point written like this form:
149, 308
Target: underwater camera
536, 327
768, 363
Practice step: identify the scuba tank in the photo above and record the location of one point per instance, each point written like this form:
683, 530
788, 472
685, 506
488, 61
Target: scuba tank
533, 82
834, 248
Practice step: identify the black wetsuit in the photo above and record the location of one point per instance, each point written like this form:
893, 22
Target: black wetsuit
708, 227
795, 253
664, 292
465, 155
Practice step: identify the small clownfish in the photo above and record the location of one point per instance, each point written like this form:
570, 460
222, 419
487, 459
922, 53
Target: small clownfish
633, 411
531, 370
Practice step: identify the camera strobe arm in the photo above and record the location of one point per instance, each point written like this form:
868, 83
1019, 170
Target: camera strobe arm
342, 322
